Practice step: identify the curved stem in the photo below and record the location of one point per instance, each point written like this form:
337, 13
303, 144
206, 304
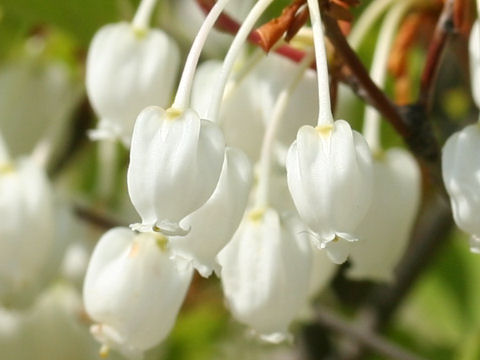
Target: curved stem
232, 54
182, 98
378, 72
144, 12
325, 117
271, 131
366, 21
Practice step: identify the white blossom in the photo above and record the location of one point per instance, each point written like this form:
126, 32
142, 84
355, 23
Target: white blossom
175, 164
27, 227
133, 290
461, 175
214, 223
385, 231
265, 272
329, 173
127, 70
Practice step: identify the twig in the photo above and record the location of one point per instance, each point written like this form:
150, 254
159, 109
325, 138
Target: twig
83, 119
375, 96
431, 232
445, 27
99, 220
366, 337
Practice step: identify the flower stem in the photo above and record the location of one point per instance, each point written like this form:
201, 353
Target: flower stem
371, 125
366, 21
142, 17
232, 54
182, 98
266, 154
325, 117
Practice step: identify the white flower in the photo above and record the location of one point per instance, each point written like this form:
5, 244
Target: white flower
134, 290
27, 225
53, 328
329, 173
36, 101
175, 164
461, 175
128, 70
385, 231
214, 224
474, 50
265, 272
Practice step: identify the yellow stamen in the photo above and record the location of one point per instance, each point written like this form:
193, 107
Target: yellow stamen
104, 351
173, 113
256, 214
324, 130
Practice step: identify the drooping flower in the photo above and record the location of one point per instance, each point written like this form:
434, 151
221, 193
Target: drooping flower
175, 164
133, 290
128, 69
385, 231
265, 272
215, 222
329, 173
27, 226
51, 96
461, 175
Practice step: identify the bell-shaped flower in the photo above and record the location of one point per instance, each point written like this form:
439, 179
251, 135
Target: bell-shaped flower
53, 328
27, 227
329, 173
265, 272
474, 50
128, 70
175, 164
51, 95
386, 228
214, 223
461, 175
133, 290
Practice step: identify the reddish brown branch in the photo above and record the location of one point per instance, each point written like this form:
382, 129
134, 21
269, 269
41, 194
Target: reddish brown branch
374, 95
444, 28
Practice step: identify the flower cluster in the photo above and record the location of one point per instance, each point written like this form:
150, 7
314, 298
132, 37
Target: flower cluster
241, 169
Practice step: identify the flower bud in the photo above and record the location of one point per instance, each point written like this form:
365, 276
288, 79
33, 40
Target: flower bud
134, 290
329, 173
27, 226
460, 169
215, 222
175, 163
385, 230
128, 70
265, 272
